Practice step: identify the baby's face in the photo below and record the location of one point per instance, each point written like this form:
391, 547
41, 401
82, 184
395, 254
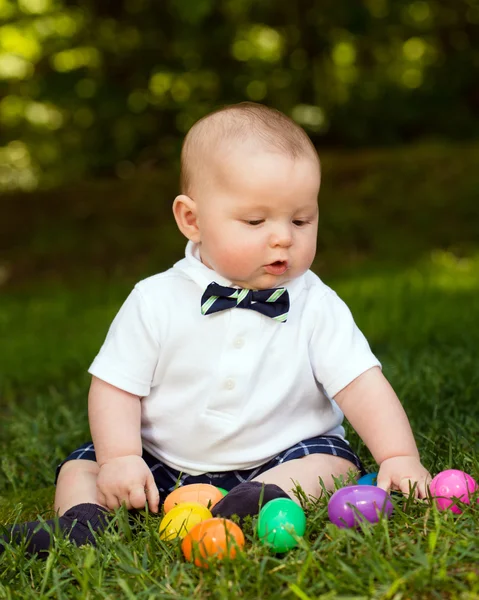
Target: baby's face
258, 217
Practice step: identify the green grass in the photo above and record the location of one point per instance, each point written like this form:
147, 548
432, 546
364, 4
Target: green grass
421, 320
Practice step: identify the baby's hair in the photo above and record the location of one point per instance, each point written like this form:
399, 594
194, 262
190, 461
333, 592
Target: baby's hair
237, 123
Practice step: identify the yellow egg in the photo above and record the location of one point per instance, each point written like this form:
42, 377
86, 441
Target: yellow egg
180, 519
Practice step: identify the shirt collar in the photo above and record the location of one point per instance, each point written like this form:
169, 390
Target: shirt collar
203, 275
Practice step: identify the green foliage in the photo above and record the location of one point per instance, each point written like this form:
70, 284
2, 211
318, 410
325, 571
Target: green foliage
107, 88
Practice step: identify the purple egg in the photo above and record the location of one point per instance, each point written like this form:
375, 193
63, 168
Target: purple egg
350, 505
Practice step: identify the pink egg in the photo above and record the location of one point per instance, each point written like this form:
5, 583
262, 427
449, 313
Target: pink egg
451, 485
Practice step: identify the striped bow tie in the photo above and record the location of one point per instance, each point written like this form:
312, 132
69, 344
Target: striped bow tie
273, 303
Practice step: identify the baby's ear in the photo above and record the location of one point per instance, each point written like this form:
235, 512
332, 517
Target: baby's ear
185, 213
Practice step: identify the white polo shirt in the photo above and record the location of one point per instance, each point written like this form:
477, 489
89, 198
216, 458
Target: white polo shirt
232, 389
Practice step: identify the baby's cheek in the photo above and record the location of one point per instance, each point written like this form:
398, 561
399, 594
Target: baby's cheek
307, 250
237, 260
309, 256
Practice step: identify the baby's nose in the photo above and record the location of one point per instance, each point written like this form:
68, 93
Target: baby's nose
282, 236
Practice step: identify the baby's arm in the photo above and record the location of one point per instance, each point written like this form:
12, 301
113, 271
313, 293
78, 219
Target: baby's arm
115, 424
373, 409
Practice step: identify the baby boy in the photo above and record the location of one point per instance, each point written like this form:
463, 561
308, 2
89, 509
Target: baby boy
236, 366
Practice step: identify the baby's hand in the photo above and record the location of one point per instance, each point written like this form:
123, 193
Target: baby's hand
401, 473
127, 480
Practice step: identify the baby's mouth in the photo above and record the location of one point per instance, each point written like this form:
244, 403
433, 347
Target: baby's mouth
277, 268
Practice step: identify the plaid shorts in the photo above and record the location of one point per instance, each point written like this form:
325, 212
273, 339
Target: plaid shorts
167, 478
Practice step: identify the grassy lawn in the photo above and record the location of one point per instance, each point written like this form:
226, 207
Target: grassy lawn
421, 321
421, 317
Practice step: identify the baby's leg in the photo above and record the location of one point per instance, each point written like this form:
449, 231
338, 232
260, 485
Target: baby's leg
306, 472
77, 507
76, 484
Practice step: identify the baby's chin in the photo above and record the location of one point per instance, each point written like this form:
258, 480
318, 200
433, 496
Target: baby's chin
264, 282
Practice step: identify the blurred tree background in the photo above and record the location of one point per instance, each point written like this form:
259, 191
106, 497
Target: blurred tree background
104, 88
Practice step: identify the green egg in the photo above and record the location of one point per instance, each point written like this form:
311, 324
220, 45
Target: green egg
280, 522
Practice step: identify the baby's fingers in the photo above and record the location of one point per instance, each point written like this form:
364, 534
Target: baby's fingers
423, 486
101, 498
112, 502
384, 482
152, 494
418, 486
137, 497
107, 499
406, 485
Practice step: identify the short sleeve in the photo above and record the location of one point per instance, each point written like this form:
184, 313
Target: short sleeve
130, 353
339, 351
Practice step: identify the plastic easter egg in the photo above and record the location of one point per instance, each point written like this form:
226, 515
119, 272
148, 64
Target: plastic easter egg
451, 486
180, 519
368, 479
215, 538
222, 490
203, 493
280, 522
350, 505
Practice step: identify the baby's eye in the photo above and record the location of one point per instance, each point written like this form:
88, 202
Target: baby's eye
300, 223
255, 222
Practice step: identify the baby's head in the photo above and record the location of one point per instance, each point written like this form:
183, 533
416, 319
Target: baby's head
249, 186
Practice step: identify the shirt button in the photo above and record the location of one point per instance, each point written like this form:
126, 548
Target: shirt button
239, 342
230, 384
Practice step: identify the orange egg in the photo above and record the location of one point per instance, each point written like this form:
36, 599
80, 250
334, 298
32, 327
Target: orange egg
203, 493
214, 538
